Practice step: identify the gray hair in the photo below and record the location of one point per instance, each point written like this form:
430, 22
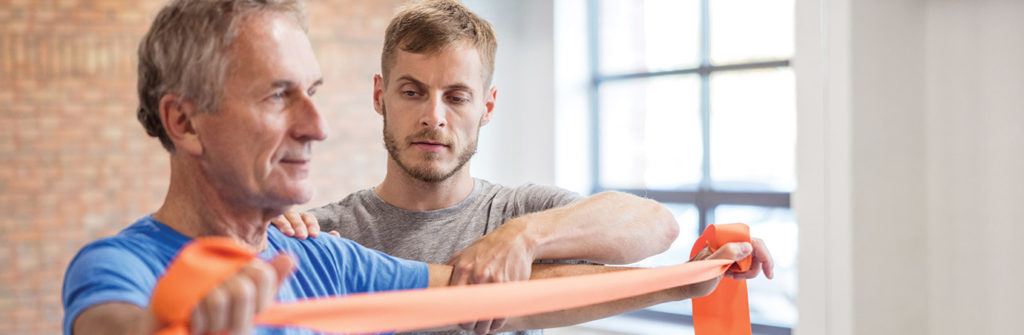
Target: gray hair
183, 53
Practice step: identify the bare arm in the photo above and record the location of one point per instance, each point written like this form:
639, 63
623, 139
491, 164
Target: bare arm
608, 227
115, 318
228, 308
440, 274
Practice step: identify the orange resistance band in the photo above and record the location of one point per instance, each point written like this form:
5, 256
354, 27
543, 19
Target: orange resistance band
725, 311
206, 262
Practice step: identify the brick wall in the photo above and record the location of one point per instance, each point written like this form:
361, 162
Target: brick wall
75, 165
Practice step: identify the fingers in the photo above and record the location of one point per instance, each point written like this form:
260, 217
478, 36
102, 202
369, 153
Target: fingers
197, 323
215, 305
734, 251
335, 233
761, 261
461, 275
702, 254
768, 263
230, 306
263, 278
283, 266
282, 224
312, 225
497, 324
243, 304
295, 220
482, 327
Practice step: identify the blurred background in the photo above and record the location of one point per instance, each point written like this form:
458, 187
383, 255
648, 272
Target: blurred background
877, 144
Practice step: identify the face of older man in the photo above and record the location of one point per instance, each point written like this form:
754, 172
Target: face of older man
257, 148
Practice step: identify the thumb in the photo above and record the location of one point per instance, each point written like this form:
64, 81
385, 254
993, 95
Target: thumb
734, 251
283, 264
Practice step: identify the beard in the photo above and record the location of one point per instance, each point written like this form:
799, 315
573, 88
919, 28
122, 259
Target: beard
429, 173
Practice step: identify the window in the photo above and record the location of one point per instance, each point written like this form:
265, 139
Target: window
693, 105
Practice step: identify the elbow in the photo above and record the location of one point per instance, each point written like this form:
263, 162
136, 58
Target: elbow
666, 227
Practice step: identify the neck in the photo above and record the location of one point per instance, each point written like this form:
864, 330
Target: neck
403, 191
195, 208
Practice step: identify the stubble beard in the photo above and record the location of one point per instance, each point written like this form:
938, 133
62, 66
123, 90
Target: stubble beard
427, 173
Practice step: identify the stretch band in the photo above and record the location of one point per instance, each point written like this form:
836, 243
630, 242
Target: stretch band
206, 262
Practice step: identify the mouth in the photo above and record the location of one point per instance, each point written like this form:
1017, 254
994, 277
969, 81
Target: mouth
295, 160
430, 146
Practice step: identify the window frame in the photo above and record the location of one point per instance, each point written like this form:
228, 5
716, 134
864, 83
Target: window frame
704, 196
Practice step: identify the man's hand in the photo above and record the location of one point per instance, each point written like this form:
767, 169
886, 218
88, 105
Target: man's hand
230, 307
299, 225
736, 251
501, 256
761, 261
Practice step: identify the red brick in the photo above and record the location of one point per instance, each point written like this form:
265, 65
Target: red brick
75, 164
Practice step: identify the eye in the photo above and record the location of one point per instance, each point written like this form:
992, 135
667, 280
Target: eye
277, 95
409, 93
311, 91
458, 99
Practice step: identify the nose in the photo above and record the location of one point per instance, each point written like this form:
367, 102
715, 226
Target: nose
436, 113
308, 124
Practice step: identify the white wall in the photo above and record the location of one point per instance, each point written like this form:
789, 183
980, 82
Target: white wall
517, 146
910, 153
975, 165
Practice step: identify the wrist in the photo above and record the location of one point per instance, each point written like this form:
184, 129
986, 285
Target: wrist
524, 237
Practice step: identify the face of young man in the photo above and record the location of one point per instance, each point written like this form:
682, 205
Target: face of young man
257, 148
433, 107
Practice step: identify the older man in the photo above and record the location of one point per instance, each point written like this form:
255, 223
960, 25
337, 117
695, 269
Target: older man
226, 86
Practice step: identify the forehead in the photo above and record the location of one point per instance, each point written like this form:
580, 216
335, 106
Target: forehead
456, 64
271, 47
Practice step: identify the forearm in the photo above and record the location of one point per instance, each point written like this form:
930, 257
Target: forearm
441, 274
593, 312
609, 227
115, 318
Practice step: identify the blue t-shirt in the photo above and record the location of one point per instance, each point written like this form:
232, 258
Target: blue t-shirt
126, 267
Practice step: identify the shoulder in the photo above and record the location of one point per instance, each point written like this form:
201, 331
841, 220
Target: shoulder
344, 208
145, 247
532, 195
350, 266
121, 268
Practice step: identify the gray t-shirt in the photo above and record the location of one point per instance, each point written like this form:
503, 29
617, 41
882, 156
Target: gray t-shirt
433, 236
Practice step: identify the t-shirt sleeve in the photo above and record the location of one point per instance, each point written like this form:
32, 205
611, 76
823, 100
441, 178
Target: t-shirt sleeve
102, 273
367, 270
536, 198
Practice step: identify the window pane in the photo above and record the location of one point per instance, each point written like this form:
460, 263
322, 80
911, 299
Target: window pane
753, 130
678, 253
650, 133
750, 30
651, 35
771, 301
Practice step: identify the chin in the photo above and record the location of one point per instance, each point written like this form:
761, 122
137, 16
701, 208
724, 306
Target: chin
297, 195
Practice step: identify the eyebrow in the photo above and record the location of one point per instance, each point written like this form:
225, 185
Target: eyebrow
289, 83
455, 86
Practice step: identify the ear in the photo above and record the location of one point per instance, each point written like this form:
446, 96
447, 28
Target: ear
378, 94
492, 95
176, 115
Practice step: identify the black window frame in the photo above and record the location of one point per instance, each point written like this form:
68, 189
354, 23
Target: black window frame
704, 197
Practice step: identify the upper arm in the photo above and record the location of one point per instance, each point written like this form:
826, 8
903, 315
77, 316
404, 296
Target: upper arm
114, 318
367, 270
104, 274
536, 198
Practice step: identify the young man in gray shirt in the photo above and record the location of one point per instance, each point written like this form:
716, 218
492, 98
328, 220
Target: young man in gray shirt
434, 93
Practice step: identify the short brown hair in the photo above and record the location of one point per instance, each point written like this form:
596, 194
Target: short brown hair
430, 26
184, 51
